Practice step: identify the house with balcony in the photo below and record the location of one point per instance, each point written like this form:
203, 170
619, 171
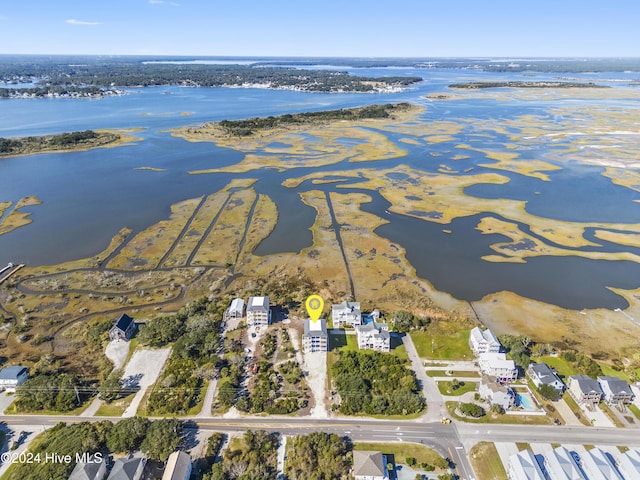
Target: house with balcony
315, 337
374, 336
235, 310
496, 393
258, 311
542, 374
615, 391
346, 314
585, 390
497, 365
483, 342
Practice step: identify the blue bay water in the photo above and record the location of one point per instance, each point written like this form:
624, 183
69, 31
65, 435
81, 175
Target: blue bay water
89, 196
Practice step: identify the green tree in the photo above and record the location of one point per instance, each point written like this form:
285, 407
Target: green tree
163, 437
111, 388
472, 410
548, 392
127, 434
318, 456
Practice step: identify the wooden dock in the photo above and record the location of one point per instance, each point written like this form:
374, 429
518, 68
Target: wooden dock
8, 275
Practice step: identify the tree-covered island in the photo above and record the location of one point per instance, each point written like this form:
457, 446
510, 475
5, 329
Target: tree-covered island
61, 142
522, 84
105, 77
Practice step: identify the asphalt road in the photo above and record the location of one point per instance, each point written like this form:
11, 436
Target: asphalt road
451, 440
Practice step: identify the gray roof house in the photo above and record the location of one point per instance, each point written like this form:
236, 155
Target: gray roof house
496, 393
258, 311
236, 309
483, 341
543, 374
12, 377
123, 328
315, 337
524, 466
374, 336
599, 466
615, 390
629, 464
561, 465
178, 466
346, 313
585, 390
369, 465
94, 469
129, 468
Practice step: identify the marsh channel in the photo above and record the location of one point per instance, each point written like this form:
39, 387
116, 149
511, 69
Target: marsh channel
89, 196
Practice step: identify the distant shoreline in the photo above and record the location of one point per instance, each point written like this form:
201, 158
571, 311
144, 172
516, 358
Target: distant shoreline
521, 84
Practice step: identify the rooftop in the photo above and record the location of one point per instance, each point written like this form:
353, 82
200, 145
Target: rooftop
368, 463
123, 322
12, 372
315, 329
178, 466
259, 302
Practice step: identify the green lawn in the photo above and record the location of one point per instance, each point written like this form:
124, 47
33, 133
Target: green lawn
445, 388
115, 409
635, 410
486, 462
445, 347
402, 450
564, 368
490, 417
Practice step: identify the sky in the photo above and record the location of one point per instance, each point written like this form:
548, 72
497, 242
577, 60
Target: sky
336, 28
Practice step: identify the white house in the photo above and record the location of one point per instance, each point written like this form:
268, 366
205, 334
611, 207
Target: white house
635, 388
598, 466
258, 311
524, 466
629, 464
584, 390
497, 365
542, 374
178, 466
374, 336
615, 390
369, 465
496, 393
315, 337
12, 377
561, 465
235, 310
346, 313
483, 341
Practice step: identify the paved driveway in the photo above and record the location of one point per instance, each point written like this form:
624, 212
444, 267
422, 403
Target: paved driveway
6, 400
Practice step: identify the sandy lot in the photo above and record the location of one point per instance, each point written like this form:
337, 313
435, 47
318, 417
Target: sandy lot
142, 371
117, 352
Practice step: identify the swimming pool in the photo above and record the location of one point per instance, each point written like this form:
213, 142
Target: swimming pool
525, 402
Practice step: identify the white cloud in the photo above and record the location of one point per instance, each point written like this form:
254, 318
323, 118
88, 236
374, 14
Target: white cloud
163, 2
73, 21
